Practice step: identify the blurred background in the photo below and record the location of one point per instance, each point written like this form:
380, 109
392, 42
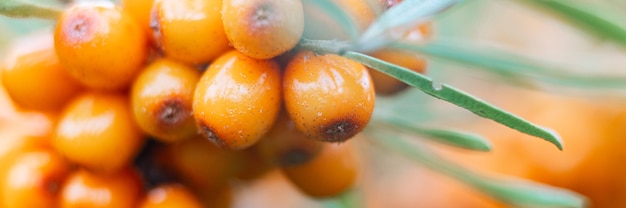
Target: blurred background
589, 114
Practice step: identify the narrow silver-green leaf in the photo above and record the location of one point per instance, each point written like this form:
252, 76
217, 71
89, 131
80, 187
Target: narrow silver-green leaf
406, 13
337, 14
513, 191
23, 9
457, 97
594, 22
505, 63
454, 138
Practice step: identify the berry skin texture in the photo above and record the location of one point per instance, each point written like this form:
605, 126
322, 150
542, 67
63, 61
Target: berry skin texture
263, 29
170, 196
161, 99
237, 100
100, 45
140, 9
34, 78
387, 85
285, 145
190, 31
329, 174
34, 178
97, 131
86, 189
328, 97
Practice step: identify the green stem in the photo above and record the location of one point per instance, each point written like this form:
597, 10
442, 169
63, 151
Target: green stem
324, 46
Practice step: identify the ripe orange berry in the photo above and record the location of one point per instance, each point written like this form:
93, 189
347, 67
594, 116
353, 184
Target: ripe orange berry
34, 178
100, 45
263, 29
97, 131
33, 76
328, 97
170, 196
329, 174
198, 162
161, 99
387, 85
86, 189
190, 31
237, 100
285, 145
221, 197
140, 9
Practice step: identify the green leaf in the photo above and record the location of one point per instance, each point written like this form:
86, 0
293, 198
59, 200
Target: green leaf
509, 65
596, 23
406, 14
453, 138
457, 97
337, 14
23, 9
513, 191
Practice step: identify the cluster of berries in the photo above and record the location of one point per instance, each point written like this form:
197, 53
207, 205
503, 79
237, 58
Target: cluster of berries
220, 87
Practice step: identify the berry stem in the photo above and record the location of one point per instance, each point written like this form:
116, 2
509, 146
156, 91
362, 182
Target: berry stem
21, 9
324, 46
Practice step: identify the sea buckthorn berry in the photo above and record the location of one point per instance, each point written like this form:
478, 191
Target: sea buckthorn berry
190, 31
161, 99
387, 85
170, 196
34, 179
97, 131
329, 174
285, 145
263, 29
34, 78
100, 45
237, 100
86, 189
249, 164
328, 97
140, 9
198, 162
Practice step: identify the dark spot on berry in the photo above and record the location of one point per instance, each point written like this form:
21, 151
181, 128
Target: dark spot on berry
340, 130
210, 134
171, 113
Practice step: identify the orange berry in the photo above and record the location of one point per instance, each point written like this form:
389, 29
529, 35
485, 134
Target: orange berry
140, 9
161, 98
285, 145
329, 174
100, 45
97, 131
198, 162
263, 29
237, 100
34, 178
170, 196
34, 78
86, 189
190, 31
387, 85
328, 97
249, 164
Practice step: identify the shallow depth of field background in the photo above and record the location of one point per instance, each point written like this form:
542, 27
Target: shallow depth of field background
591, 121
